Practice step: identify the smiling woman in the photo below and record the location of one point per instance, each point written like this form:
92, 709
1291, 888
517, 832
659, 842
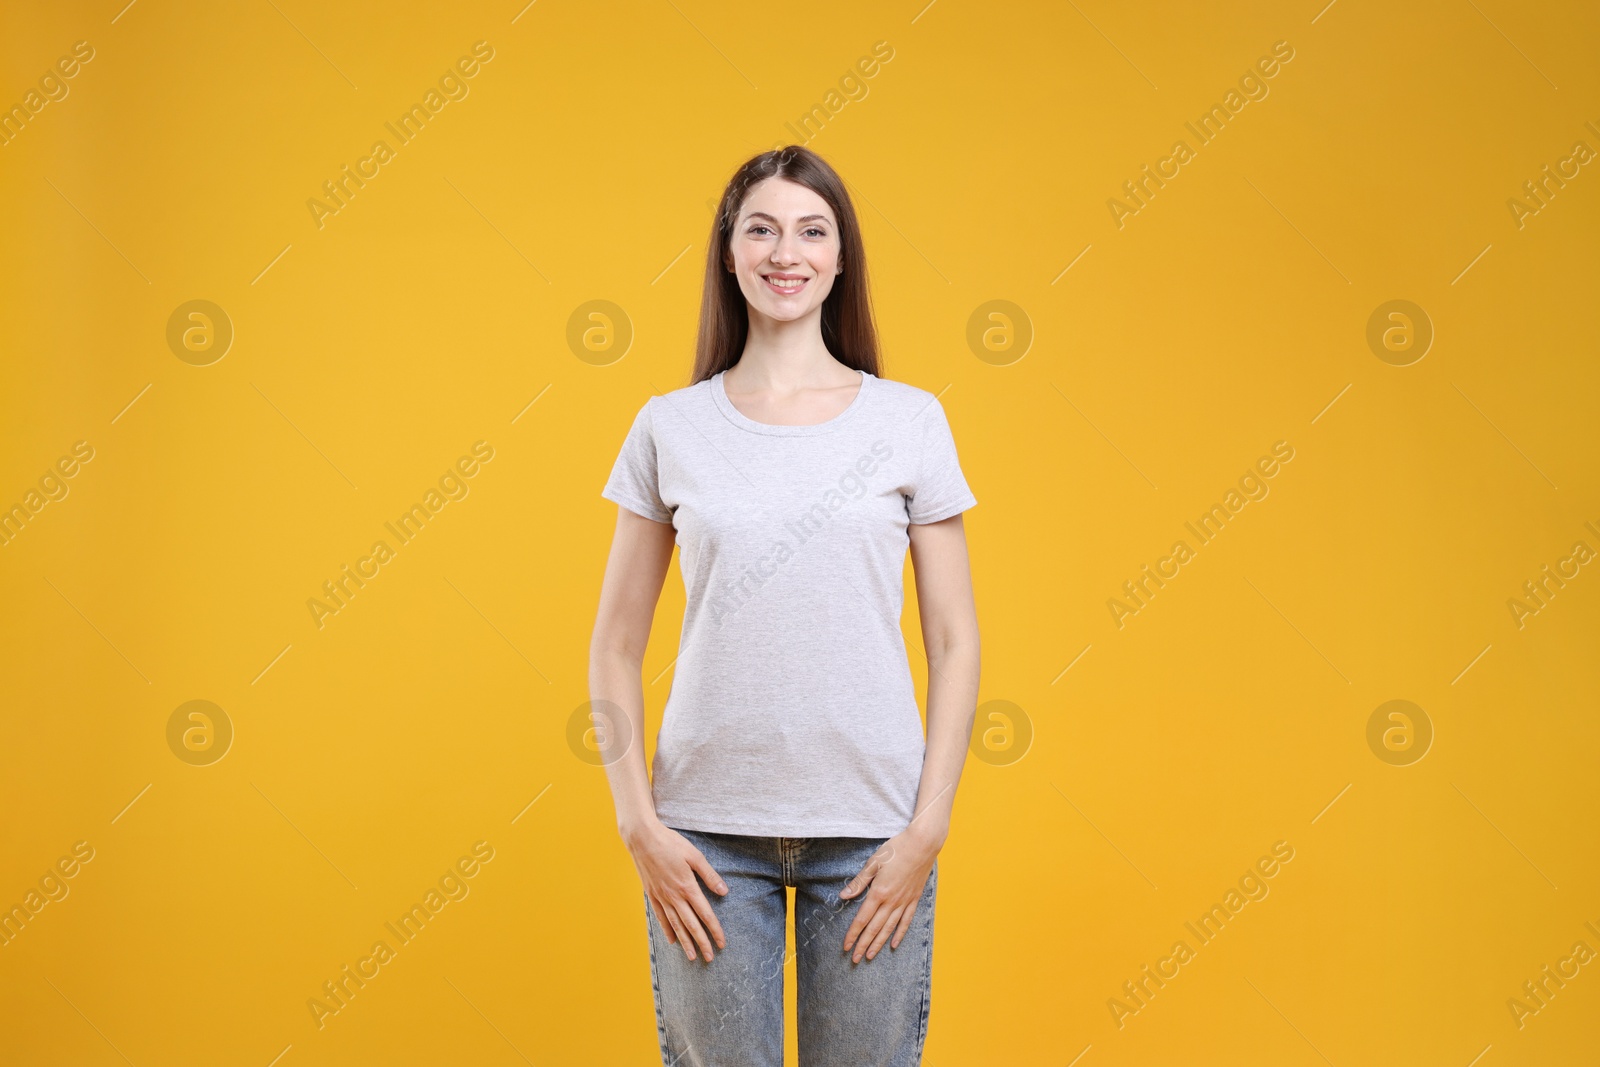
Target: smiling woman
791, 753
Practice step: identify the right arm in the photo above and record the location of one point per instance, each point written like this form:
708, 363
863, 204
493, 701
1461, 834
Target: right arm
641, 550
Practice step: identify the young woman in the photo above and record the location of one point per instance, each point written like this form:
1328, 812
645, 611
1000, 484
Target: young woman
791, 752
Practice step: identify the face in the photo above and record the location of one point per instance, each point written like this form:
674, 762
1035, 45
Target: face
785, 234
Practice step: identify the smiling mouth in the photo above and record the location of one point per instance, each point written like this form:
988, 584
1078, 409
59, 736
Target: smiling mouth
787, 284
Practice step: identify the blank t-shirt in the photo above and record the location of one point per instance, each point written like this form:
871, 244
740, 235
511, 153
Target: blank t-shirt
792, 711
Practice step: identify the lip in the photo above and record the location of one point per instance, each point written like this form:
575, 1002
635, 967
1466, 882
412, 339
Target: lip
804, 281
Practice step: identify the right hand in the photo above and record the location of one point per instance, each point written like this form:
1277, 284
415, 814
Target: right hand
667, 863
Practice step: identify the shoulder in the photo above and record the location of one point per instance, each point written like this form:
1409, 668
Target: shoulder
663, 412
903, 396
909, 405
700, 390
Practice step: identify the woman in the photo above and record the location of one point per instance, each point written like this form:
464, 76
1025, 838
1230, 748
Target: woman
791, 751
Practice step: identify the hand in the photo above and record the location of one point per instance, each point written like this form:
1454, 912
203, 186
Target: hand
668, 863
897, 873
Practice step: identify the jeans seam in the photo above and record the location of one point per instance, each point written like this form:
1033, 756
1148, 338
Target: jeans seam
927, 972
655, 983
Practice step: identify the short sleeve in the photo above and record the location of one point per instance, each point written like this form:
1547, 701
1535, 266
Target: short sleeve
634, 481
941, 489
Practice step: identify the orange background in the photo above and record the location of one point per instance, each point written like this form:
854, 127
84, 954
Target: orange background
1137, 373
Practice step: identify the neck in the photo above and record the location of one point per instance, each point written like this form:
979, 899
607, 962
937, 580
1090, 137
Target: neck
787, 355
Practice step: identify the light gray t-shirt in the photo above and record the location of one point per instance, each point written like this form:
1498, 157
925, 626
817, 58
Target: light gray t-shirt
792, 712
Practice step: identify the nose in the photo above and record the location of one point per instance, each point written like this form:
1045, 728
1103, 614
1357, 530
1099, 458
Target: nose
783, 253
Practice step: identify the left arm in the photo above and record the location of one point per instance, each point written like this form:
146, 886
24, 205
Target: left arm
899, 870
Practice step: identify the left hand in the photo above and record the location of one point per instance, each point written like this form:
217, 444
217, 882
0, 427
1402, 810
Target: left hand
897, 874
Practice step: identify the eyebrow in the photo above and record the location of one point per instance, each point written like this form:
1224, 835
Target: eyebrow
804, 218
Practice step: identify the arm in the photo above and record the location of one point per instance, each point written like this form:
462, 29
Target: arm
899, 871
950, 638
641, 550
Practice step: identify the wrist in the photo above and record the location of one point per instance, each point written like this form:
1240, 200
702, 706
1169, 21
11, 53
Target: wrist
636, 828
928, 833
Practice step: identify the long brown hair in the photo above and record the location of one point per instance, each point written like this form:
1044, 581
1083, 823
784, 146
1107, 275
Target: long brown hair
847, 327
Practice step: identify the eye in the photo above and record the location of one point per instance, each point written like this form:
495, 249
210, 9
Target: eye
757, 226
818, 231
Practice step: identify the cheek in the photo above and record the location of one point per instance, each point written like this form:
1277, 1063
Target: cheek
743, 269
744, 252
825, 266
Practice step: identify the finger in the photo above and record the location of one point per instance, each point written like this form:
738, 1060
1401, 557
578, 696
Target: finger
708, 873
661, 917
676, 937
685, 941
691, 923
870, 932
905, 924
863, 915
666, 923
702, 908
883, 932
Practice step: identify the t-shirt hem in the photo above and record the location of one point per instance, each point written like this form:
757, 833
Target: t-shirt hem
637, 507
944, 513
753, 829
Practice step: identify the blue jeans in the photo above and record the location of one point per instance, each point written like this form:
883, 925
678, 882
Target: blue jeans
729, 1012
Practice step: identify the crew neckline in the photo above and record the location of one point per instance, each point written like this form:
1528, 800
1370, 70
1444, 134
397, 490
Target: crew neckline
719, 394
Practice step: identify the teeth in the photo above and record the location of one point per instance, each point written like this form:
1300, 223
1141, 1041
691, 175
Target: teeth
786, 284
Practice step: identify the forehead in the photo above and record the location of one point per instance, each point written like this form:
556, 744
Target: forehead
784, 199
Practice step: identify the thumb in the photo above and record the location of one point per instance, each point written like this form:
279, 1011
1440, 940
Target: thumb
708, 873
860, 881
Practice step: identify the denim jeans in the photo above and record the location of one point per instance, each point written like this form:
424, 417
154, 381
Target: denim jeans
729, 1012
